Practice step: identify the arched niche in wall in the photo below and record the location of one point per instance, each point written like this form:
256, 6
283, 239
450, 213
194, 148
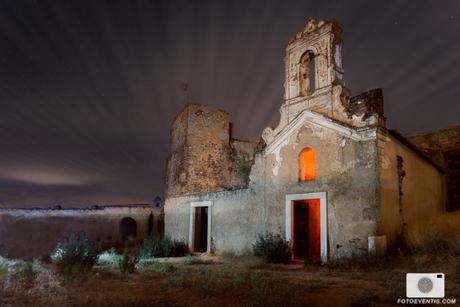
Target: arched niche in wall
127, 229
307, 73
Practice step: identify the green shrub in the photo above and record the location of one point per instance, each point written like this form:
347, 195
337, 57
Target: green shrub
145, 262
273, 248
3, 267
153, 247
127, 262
162, 247
75, 253
108, 258
190, 259
24, 273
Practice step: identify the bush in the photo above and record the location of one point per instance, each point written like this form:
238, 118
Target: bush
75, 253
273, 248
24, 273
158, 247
108, 258
127, 262
3, 267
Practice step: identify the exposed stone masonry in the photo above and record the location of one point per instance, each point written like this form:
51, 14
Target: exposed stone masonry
366, 104
203, 155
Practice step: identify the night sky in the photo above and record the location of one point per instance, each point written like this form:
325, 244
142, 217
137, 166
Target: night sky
88, 89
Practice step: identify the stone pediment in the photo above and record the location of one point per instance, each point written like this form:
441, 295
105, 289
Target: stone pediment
274, 141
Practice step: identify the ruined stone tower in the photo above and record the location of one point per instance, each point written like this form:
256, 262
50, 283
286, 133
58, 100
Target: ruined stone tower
203, 155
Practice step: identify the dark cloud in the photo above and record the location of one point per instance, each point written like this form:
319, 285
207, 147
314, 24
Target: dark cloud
88, 88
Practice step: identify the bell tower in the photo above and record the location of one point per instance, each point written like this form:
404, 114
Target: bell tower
314, 81
314, 73
313, 61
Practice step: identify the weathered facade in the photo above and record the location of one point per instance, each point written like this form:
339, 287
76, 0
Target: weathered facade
330, 177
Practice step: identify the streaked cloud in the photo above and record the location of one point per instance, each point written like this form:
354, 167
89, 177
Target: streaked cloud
88, 89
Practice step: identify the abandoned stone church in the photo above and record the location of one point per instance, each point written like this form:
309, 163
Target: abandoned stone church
331, 178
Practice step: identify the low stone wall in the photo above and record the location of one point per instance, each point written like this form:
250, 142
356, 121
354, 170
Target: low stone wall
33, 233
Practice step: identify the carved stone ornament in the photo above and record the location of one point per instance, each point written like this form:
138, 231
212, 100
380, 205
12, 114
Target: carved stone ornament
311, 25
267, 135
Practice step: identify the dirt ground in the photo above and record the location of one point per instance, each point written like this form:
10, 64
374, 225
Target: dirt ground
239, 281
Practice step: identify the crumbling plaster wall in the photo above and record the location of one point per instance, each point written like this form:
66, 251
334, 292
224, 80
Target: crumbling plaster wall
33, 233
235, 220
420, 183
346, 171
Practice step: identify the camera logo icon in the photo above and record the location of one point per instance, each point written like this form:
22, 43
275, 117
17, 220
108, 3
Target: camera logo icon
425, 285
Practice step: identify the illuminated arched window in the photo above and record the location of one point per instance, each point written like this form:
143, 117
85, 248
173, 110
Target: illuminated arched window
307, 161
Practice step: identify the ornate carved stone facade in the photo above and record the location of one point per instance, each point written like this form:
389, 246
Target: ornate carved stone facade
321, 43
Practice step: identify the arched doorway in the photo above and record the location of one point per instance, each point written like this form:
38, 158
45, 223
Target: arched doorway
128, 229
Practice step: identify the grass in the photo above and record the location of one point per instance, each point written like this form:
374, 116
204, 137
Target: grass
108, 258
162, 267
272, 247
436, 235
146, 262
162, 247
17, 272
359, 264
270, 291
31, 283
237, 280
24, 273
3, 267
240, 281
192, 259
75, 253
127, 262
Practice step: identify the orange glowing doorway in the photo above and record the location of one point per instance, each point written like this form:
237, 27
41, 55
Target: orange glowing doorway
305, 230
